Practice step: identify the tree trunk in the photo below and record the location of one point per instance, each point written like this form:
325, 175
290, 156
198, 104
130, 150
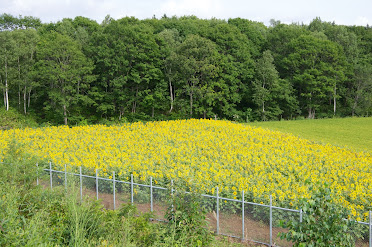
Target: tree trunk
311, 113
121, 112
310, 109
19, 98
171, 95
65, 114
191, 104
356, 98
6, 87
134, 105
334, 101
25, 101
29, 98
355, 104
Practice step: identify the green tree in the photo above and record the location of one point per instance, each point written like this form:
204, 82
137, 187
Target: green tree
128, 61
278, 39
171, 40
256, 33
25, 50
348, 41
236, 67
66, 73
315, 66
359, 86
362, 90
265, 85
10, 22
7, 61
198, 66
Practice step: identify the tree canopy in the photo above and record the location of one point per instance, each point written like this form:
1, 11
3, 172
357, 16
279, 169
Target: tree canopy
79, 71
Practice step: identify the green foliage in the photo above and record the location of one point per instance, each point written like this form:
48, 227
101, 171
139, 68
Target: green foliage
144, 233
77, 72
322, 223
316, 66
66, 71
10, 22
20, 200
187, 217
267, 89
12, 119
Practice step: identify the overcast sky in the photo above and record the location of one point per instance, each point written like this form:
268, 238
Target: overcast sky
345, 12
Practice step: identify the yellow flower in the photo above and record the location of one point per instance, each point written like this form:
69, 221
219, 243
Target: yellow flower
203, 154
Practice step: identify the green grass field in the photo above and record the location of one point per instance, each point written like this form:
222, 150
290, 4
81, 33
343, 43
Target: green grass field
352, 133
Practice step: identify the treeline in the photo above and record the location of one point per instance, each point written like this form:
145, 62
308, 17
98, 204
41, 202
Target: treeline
78, 71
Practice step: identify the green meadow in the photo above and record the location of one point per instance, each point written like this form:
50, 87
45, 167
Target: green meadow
352, 133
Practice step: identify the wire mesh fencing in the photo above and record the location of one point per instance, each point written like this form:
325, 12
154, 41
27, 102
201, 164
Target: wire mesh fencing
237, 218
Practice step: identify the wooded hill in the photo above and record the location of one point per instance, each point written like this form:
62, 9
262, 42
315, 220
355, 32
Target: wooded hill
78, 71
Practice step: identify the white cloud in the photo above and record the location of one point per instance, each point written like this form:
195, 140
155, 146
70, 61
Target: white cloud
200, 8
287, 11
362, 21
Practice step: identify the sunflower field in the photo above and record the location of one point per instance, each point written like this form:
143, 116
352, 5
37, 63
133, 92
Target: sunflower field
203, 154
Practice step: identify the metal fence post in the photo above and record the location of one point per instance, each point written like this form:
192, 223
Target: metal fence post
370, 228
217, 212
151, 200
301, 215
37, 174
96, 184
65, 177
81, 185
113, 179
243, 215
50, 174
131, 188
271, 220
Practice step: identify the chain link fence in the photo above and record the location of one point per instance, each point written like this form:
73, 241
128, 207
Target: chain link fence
250, 221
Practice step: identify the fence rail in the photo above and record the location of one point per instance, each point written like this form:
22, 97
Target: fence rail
217, 198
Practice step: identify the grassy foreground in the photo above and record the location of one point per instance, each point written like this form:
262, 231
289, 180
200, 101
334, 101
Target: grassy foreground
33, 216
352, 133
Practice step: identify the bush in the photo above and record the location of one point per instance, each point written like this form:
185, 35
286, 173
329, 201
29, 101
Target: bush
322, 223
187, 220
13, 119
143, 232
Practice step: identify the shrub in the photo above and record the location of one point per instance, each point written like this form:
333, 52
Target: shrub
143, 232
187, 220
13, 119
322, 223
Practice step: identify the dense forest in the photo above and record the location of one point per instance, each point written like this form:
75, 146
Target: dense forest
77, 71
